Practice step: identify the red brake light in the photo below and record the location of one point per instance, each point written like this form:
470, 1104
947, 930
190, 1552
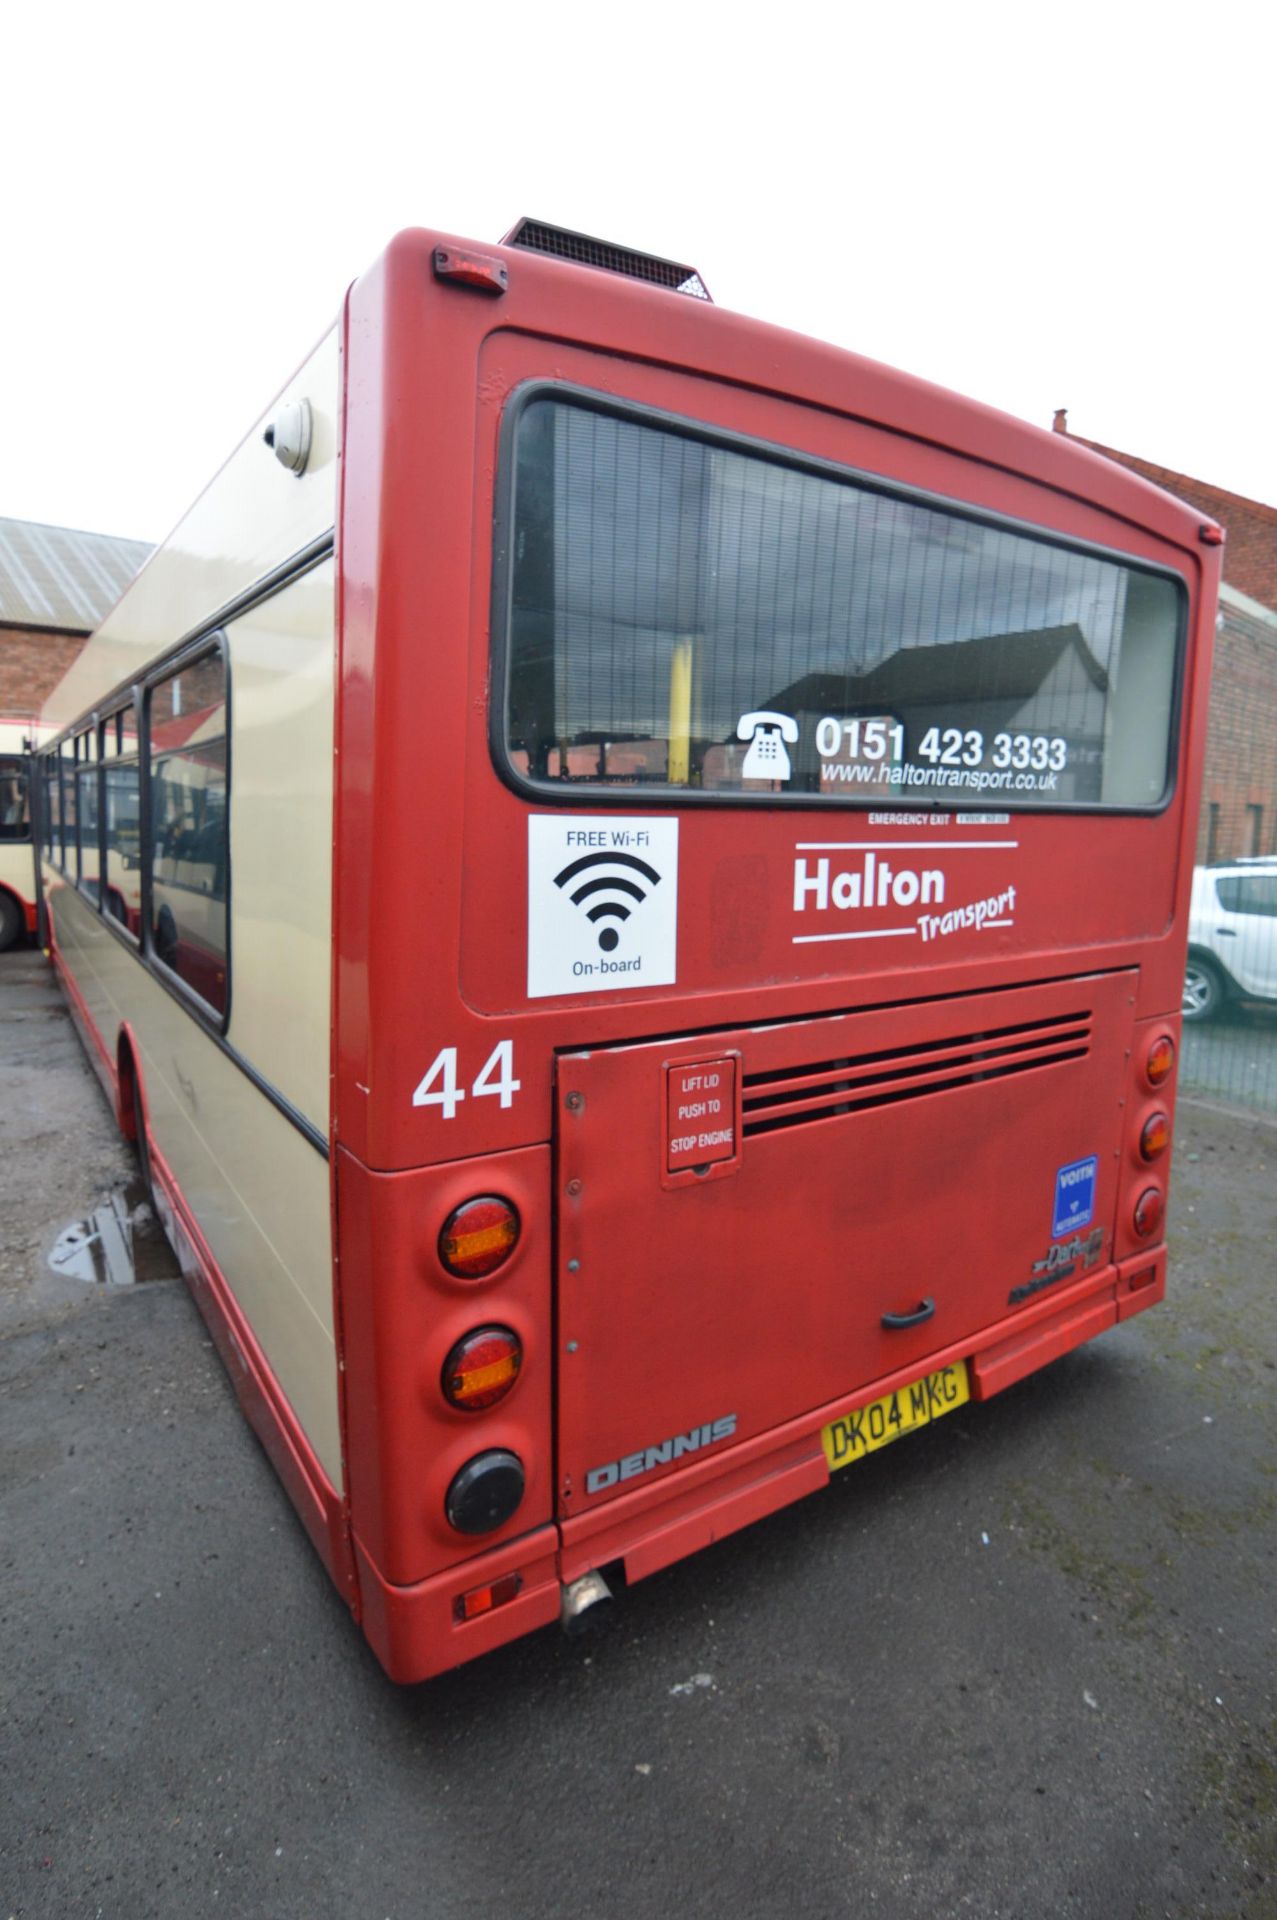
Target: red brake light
1148, 1212
1161, 1058
1155, 1136
482, 1368
478, 1236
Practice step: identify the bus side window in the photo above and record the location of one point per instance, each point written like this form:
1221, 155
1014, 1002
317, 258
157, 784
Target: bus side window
67, 835
86, 787
122, 892
51, 826
189, 827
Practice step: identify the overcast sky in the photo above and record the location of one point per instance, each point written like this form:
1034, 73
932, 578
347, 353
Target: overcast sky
1041, 206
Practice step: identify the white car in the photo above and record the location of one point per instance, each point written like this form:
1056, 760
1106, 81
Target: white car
1232, 936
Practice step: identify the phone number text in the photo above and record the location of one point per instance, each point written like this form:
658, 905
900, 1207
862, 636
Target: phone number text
883, 742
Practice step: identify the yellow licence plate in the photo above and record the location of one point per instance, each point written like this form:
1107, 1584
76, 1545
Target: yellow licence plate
885, 1420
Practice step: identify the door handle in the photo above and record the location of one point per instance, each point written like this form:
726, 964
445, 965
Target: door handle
923, 1311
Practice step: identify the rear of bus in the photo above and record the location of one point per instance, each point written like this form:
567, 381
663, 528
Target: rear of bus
17, 859
765, 816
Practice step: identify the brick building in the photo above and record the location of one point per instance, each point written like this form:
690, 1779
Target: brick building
55, 587
1239, 793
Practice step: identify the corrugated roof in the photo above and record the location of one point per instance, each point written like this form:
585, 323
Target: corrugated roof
58, 577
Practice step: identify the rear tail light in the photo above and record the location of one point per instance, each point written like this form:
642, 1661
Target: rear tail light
1148, 1212
1161, 1058
482, 1368
478, 1236
486, 1492
1155, 1136
481, 1600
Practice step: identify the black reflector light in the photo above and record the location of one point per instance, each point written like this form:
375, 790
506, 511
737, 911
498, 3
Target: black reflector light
486, 1492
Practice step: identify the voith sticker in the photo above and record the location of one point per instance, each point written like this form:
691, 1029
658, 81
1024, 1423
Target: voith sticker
602, 903
1074, 1196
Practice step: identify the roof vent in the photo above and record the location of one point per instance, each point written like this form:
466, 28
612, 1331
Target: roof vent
536, 237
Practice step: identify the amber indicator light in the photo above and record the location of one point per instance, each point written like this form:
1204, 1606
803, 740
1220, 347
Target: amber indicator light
1155, 1136
478, 1236
1148, 1212
1161, 1058
482, 1368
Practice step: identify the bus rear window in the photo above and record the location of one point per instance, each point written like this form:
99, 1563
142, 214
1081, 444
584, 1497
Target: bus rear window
693, 617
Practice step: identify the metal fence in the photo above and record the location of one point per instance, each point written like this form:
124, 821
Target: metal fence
1230, 990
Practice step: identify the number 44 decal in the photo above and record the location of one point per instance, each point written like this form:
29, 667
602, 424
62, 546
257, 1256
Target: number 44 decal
439, 1088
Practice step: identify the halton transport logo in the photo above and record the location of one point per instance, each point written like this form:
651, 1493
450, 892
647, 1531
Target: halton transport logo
877, 890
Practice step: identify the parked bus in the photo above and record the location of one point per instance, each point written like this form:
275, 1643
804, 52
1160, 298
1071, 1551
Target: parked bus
17, 854
628, 873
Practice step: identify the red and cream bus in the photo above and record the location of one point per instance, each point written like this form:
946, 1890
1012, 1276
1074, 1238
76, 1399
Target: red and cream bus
628, 872
18, 911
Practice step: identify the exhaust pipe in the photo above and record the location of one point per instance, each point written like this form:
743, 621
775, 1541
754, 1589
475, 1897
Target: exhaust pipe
580, 1602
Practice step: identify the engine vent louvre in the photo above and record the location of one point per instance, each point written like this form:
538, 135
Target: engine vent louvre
537, 237
795, 1096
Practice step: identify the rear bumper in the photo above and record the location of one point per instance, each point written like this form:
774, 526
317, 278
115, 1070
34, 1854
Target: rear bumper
415, 1631
1132, 1285
650, 1527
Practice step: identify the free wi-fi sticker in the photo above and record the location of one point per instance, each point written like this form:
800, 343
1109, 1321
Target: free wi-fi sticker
602, 903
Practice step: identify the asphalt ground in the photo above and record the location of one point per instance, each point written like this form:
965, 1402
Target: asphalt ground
1021, 1664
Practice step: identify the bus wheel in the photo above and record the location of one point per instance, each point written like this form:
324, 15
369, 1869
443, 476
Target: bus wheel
1203, 989
12, 921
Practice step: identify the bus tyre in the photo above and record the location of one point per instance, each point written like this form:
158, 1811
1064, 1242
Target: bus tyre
1203, 989
12, 921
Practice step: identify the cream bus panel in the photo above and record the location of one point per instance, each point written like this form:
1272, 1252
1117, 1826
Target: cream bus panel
17, 734
281, 839
255, 1184
252, 518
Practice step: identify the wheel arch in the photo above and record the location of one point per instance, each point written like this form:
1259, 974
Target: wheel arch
130, 1099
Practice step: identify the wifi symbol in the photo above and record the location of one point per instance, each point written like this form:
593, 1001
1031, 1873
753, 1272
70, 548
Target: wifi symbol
608, 886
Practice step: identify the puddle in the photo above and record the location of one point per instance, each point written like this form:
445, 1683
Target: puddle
119, 1245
